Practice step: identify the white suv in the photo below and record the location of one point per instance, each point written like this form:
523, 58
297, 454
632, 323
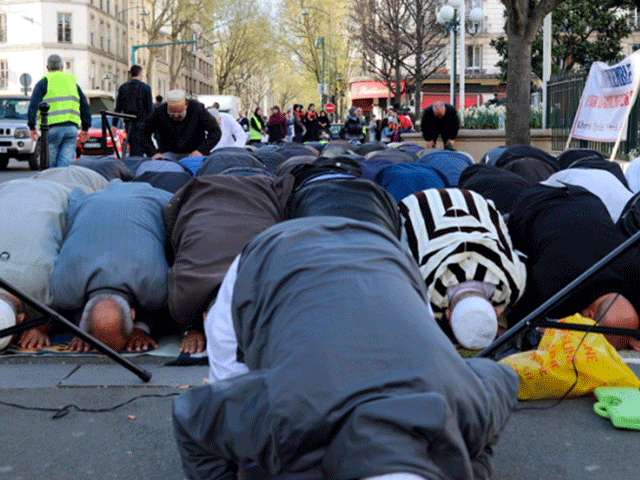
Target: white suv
15, 141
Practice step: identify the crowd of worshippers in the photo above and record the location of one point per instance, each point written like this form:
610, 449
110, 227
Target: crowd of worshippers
136, 248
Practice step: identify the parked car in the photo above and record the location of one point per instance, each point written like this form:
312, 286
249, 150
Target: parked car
15, 141
93, 146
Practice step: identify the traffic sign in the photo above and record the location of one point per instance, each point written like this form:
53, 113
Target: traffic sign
25, 79
329, 107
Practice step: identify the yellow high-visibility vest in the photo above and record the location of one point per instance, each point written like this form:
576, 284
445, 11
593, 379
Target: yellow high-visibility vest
62, 97
255, 134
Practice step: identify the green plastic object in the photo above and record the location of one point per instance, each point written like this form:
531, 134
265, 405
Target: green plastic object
621, 405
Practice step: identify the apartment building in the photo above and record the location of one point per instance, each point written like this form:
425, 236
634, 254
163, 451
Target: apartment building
93, 37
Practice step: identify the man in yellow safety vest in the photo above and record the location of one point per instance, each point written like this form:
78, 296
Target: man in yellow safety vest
68, 111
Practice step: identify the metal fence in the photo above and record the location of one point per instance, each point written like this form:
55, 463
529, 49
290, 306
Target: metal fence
564, 92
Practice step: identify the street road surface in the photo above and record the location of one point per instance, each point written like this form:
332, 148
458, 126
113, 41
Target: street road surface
15, 170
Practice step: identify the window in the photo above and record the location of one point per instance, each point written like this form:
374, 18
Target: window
64, 28
3, 27
4, 74
68, 65
474, 58
92, 74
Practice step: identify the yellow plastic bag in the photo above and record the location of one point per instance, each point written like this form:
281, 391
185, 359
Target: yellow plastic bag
548, 371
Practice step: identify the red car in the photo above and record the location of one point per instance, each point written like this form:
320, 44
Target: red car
93, 146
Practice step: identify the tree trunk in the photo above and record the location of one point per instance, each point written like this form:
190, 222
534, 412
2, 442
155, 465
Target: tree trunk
518, 90
418, 86
398, 89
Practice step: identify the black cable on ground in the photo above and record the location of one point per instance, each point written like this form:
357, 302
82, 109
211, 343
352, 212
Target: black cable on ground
63, 411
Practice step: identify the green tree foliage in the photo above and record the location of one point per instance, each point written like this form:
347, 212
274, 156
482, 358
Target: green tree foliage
583, 32
239, 44
300, 24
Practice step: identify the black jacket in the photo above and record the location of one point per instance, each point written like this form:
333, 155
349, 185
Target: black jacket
447, 126
134, 98
197, 131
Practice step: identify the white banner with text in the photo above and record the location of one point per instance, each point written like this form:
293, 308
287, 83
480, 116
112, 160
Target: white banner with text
606, 101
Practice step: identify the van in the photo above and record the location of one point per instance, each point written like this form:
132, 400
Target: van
100, 100
228, 103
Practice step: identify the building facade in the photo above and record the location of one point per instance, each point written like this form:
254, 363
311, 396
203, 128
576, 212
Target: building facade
94, 39
482, 76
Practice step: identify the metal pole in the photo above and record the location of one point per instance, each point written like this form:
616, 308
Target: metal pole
141, 373
322, 97
546, 65
533, 319
462, 22
115, 69
454, 26
329, 62
44, 135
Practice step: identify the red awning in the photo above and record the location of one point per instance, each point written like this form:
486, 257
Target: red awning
372, 90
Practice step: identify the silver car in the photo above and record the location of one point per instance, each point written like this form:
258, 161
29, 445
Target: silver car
15, 141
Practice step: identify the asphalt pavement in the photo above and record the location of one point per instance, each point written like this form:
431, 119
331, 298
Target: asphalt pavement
116, 426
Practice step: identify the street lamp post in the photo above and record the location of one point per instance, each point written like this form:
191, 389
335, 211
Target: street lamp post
450, 20
119, 16
319, 42
305, 12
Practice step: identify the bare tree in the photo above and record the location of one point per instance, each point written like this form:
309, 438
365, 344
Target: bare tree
399, 39
380, 27
423, 38
175, 21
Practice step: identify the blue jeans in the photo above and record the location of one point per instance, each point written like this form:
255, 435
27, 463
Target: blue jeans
62, 145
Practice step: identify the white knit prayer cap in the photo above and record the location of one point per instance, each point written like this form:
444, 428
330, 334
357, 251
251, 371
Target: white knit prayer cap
474, 322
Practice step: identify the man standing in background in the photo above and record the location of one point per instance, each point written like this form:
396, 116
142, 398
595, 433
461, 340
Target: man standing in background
134, 98
68, 111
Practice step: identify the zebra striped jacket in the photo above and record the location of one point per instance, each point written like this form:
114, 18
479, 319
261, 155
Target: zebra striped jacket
456, 235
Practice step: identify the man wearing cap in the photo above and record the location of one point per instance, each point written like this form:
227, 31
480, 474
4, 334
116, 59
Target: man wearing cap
395, 403
466, 258
181, 127
68, 111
